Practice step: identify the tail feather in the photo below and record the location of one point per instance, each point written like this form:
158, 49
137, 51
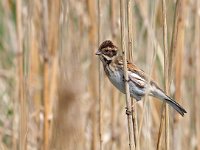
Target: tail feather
175, 105
159, 93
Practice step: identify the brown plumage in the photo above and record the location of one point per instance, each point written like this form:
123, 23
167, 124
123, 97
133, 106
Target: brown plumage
137, 79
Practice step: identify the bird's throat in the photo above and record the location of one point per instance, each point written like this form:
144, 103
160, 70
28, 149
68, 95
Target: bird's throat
107, 61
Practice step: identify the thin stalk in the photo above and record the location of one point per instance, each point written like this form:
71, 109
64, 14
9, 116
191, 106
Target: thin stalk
46, 104
34, 65
114, 104
197, 72
115, 95
45, 77
100, 79
166, 73
112, 16
92, 40
130, 50
124, 49
179, 53
166, 77
23, 121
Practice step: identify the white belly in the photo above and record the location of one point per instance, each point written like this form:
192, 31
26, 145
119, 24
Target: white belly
116, 78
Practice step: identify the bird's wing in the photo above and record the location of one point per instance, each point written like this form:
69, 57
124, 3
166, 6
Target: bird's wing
135, 74
133, 68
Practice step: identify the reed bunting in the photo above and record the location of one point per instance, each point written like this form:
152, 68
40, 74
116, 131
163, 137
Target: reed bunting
137, 80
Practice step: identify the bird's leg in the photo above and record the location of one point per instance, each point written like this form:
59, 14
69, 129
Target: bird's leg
128, 112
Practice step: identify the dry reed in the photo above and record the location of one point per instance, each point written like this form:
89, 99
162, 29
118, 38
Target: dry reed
129, 8
22, 100
197, 72
123, 18
46, 75
100, 79
179, 53
167, 70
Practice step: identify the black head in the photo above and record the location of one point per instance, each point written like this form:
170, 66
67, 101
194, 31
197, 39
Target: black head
107, 51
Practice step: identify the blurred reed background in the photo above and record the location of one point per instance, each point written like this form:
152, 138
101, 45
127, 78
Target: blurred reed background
54, 94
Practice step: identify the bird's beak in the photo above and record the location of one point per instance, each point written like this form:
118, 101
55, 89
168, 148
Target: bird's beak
98, 53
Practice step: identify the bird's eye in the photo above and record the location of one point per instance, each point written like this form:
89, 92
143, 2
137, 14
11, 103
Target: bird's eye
106, 51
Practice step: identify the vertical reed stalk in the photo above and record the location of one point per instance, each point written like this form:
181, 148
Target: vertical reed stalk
124, 49
130, 56
34, 65
158, 144
113, 14
115, 94
114, 104
179, 53
197, 88
92, 40
22, 108
166, 73
46, 104
100, 79
45, 76
166, 77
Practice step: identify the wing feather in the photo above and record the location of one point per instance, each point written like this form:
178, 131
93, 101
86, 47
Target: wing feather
136, 75
139, 82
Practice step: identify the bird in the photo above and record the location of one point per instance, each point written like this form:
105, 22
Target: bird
139, 84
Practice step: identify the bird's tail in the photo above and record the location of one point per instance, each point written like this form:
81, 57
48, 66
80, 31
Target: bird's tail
175, 105
159, 93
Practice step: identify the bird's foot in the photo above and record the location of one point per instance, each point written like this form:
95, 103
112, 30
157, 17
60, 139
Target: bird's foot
128, 112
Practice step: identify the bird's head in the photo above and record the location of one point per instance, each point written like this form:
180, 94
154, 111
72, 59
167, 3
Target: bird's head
107, 51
